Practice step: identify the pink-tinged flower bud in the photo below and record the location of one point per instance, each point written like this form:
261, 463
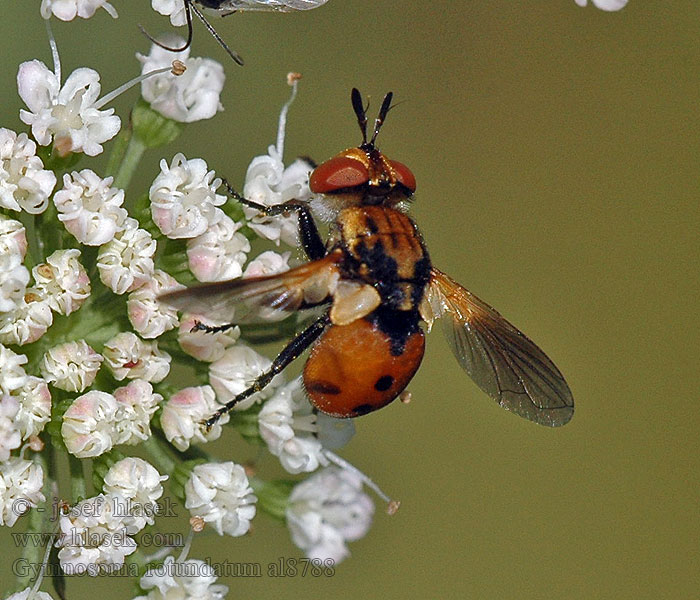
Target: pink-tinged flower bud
183, 416
149, 317
207, 347
126, 262
183, 198
127, 356
136, 405
88, 426
90, 208
71, 366
64, 281
30, 319
219, 253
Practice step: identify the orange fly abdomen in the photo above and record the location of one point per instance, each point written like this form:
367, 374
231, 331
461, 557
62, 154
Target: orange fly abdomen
351, 369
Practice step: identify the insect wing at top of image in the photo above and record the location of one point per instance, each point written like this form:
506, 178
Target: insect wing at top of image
375, 281
229, 6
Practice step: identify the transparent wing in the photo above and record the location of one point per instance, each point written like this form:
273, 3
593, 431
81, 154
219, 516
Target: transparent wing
501, 360
270, 5
236, 300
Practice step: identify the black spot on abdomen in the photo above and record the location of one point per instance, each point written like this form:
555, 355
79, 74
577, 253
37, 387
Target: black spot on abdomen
384, 383
363, 409
323, 387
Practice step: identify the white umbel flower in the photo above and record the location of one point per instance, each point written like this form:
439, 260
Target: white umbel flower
268, 263
13, 237
29, 320
24, 183
192, 96
609, 5
14, 278
34, 407
88, 427
267, 182
12, 374
328, 510
139, 483
126, 262
20, 488
149, 317
70, 114
90, 208
93, 537
183, 414
10, 435
71, 366
220, 494
289, 427
64, 281
219, 253
67, 10
204, 346
136, 405
236, 370
183, 198
127, 356
189, 579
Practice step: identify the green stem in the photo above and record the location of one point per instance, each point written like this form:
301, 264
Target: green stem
130, 162
160, 454
78, 489
40, 517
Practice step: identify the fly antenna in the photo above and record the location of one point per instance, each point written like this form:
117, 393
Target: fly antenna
378, 122
356, 99
189, 9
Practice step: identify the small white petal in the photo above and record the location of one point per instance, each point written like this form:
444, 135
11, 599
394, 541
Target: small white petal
149, 317
192, 96
128, 356
24, 183
88, 426
183, 414
71, 366
90, 208
126, 262
220, 494
183, 198
20, 488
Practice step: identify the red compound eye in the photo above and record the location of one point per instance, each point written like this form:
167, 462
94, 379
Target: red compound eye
404, 175
337, 173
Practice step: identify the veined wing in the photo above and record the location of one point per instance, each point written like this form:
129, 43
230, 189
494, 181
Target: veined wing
500, 359
306, 285
270, 5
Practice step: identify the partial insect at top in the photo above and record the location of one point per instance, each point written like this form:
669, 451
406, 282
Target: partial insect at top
228, 7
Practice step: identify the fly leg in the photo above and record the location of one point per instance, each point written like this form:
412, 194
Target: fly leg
311, 240
290, 352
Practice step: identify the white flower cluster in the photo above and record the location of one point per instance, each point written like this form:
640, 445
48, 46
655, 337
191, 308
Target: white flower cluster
96, 421
609, 5
25, 402
328, 510
97, 533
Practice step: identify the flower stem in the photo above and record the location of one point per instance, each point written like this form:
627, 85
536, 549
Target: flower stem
160, 454
39, 517
130, 162
78, 490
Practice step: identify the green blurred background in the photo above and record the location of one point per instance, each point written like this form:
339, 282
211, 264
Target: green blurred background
556, 153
